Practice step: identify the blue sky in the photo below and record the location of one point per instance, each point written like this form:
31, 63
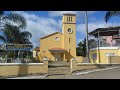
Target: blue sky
42, 23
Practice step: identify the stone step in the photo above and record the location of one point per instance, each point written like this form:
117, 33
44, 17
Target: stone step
59, 62
59, 72
58, 68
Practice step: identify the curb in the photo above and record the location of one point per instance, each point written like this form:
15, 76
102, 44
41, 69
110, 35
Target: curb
31, 77
87, 72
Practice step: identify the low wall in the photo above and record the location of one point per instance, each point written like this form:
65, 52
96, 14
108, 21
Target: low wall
15, 69
81, 66
114, 59
79, 58
75, 66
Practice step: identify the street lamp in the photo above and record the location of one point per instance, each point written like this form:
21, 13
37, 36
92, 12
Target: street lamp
87, 44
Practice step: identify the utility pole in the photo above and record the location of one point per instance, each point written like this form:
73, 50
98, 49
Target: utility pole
87, 44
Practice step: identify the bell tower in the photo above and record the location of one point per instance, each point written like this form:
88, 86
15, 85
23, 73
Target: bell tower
69, 31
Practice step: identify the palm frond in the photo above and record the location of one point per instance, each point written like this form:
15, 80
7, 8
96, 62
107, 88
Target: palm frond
2, 38
109, 14
17, 18
26, 34
26, 41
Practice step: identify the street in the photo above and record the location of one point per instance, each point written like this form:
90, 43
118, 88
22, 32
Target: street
107, 74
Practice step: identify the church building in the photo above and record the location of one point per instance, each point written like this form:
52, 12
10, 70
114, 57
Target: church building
60, 46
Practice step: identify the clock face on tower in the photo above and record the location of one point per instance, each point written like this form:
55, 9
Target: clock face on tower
70, 30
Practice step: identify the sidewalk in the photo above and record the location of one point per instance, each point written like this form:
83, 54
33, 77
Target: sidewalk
95, 70
75, 75
29, 77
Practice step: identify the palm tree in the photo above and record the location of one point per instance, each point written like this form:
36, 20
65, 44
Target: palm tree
10, 24
12, 18
109, 14
13, 34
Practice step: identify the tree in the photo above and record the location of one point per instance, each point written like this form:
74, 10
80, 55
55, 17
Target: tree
12, 18
81, 49
12, 24
92, 43
110, 14
13, 34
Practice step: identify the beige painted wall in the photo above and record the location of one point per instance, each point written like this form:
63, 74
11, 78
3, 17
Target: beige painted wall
23, 69
79, 66
101, 55
114, 59
48, 43
72, 44
75, 66
79, 58
36, 57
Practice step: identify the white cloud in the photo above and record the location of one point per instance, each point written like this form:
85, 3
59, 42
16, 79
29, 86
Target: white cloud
92, 26
60, 13
40, 26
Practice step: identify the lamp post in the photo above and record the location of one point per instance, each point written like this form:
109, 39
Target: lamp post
87, 44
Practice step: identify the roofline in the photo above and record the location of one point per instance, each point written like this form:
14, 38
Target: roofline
69, 14
101, 29
50, 35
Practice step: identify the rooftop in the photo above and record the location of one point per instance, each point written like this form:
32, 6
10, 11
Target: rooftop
110, 31
50, 35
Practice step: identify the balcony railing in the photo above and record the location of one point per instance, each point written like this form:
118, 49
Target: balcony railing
102, 43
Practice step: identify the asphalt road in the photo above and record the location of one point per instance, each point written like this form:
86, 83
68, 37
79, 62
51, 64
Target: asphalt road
107, 74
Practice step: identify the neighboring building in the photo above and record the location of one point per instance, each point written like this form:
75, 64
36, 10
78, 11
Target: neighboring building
36, 53
108, 45
60, 46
